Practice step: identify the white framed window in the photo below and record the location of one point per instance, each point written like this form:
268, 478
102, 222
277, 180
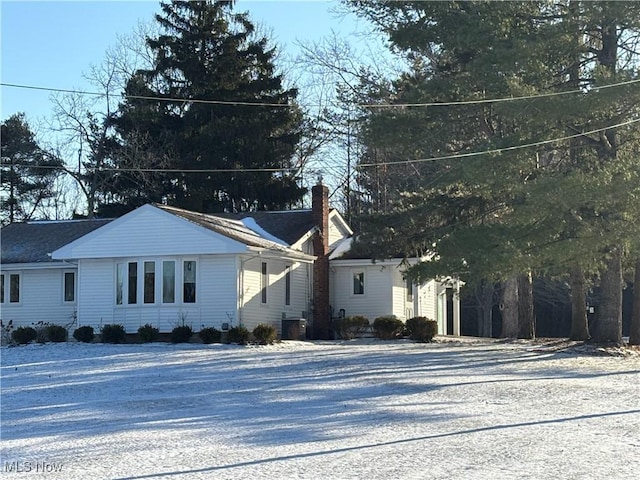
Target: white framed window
168, 281
264, 282
189, 281
287, 285
149, 282
14, 287
409, 286
358, 283
68, 287
119, 283
132, 283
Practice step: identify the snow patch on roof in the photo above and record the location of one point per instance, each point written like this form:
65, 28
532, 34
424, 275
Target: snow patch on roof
342, 247
251, 224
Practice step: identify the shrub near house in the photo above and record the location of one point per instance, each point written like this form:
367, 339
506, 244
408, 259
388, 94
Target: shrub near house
348, 328
265, 334
210, 335
388, 327
56, 333
84, 334
421, 329
239, 335
24, 335
114, 333
181, 334
148, 333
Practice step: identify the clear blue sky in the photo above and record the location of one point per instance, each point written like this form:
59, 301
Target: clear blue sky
52, 43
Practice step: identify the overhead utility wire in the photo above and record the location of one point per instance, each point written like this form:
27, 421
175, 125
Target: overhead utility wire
494, 100
161, 170
144, 97
286, 105
399, 162
499, 150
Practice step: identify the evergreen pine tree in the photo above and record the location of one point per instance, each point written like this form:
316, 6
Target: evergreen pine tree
209, 67
514, 210
28, 172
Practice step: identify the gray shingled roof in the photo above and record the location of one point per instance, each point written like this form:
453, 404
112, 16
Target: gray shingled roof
32, 241
289, 225
229, 227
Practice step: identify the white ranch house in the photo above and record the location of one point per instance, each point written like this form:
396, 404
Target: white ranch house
167, 266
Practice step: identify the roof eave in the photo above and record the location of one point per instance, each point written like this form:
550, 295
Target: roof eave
293, 254
54, 264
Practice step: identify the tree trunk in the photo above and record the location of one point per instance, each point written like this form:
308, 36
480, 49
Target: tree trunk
484, 297
526, 314
608, 327
510, 308
634, 329
579, 322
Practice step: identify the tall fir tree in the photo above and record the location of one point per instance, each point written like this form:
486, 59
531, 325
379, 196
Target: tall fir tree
221, 110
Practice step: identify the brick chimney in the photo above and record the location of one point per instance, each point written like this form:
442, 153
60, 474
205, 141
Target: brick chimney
321, 314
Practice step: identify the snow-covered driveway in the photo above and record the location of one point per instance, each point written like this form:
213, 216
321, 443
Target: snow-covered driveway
324, 410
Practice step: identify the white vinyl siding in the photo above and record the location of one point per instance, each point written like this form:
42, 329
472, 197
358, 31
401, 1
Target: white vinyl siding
337, 231
385, 292
253, 311
377, 298
41, 298
215, 295
427, 298
149, 232
402, 308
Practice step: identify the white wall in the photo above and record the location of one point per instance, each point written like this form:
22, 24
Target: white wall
337, 231
377, 299
148, 231
386, 294
425, 299
216, 296
41, 298
402, 307
253, 311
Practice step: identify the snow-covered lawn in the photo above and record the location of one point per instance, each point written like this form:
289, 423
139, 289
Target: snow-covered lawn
325, 410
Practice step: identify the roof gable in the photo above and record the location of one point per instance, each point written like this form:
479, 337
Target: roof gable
153, 230
33, 242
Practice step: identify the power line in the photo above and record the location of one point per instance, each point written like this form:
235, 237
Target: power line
399, 162
499, 150
144, 97
160, 170
494, 100
283, 105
